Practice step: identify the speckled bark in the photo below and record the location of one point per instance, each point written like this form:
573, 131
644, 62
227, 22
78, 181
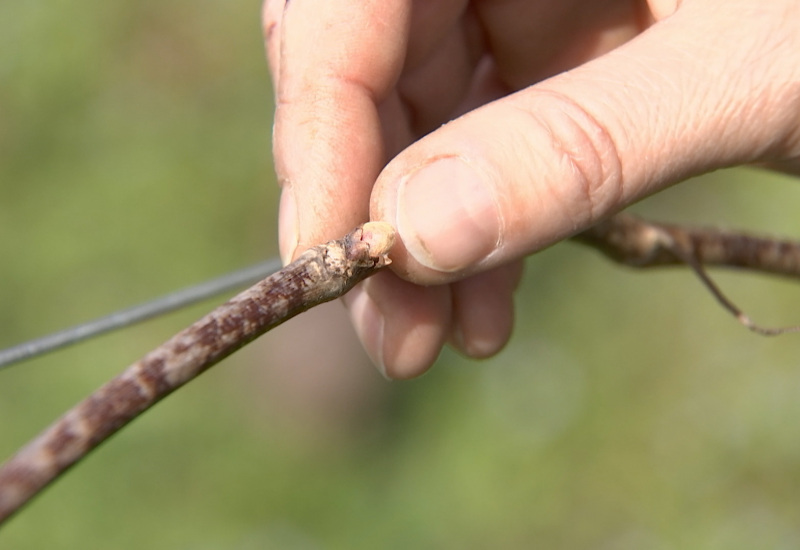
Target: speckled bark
638, 243
321, 274
633, 241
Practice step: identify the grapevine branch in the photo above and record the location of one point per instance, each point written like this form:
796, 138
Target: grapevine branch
632, 241
321, 274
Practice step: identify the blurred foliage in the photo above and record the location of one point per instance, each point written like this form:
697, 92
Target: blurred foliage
629, 411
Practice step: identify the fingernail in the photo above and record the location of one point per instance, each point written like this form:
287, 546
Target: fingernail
288, 235
368, 322
447, 216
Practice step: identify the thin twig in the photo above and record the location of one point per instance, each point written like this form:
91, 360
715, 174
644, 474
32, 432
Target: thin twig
319, 275
635, 242
632, 241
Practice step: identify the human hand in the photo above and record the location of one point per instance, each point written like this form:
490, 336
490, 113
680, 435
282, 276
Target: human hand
563, 112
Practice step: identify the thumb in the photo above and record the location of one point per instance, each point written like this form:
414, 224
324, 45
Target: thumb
697, 91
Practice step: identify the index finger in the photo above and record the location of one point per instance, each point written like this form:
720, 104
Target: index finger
336, 61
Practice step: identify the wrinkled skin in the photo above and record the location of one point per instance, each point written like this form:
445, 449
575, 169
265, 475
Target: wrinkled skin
557, 112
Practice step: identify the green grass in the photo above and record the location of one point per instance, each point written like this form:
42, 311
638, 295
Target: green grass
629, 410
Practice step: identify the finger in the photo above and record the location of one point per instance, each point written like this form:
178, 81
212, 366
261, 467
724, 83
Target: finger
446, 44
432, 23
401, 325
483, 310
338, 60
555, 35
271, 17
436, 86
701, 89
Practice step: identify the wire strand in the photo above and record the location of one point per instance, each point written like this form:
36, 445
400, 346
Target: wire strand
136, 314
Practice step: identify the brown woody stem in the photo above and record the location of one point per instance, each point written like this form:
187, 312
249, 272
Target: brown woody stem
635, 242
319, 275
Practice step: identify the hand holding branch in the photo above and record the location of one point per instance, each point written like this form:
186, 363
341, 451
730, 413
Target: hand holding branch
484, 131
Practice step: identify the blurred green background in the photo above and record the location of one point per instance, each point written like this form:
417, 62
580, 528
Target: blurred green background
628, 412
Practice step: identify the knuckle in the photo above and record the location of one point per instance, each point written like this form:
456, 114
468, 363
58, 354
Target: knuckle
587, 156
